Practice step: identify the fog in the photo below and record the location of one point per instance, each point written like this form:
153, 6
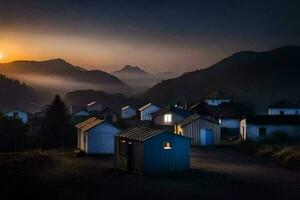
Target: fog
57, 84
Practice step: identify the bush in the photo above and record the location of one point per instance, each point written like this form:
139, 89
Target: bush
13, 134
278, 137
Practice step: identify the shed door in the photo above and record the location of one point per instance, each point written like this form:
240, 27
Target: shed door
129, 156
206, 136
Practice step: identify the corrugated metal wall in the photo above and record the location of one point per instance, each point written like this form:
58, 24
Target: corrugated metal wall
159, 160
137, 155
192, 130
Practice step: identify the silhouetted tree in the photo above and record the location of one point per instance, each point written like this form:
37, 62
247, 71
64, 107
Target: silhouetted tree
12, 134
56, 130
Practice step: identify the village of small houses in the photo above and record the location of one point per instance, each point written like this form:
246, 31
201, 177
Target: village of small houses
180, 143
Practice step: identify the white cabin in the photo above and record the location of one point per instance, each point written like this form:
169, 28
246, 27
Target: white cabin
284, 108
128, 112
18, 114
147, 110
216, 98
96, 136
216, 102
260, 127
93, 107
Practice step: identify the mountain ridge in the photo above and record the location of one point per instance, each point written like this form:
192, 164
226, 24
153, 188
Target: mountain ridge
259, 78
70, 76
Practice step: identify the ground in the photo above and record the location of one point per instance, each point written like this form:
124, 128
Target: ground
215, 173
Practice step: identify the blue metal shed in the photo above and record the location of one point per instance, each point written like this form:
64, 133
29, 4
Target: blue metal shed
152, 151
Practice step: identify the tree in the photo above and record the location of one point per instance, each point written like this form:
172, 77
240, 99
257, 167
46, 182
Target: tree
56, 130
13, 134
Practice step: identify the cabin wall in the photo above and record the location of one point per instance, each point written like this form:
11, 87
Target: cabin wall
160, 120
252, 130
121, 161
101, 139
243, 129
146, 113
23, 116
216, 102
82, 141
286, 111
128, 113
230, 123
160, 160
193, 129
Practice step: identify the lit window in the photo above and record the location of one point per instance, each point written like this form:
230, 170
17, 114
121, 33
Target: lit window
167, 145
168, 118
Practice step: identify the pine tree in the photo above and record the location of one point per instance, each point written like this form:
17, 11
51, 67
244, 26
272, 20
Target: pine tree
56, 131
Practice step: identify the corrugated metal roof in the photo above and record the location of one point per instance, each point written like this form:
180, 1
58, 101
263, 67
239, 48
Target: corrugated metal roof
92, 124
273, 119
140, 133
285, 104
195, 117
125, 107
85, 122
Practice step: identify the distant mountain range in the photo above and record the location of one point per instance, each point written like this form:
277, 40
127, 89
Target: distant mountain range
257, 78
60, 76
139, 79
16, 94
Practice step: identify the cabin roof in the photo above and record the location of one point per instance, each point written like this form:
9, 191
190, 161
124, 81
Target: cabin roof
126, 107
145, 106
217, 95
92, 124
285, 104
273, 119
142, 133
224, 110
181, 112
194, 117
85, 122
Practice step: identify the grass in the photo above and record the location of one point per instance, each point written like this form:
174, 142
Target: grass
284, 153
58, 174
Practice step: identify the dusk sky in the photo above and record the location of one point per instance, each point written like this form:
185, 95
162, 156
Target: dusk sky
156, 35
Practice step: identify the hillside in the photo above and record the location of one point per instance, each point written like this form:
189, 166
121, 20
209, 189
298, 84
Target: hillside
16, 94
137, 78
61, 76
257, 78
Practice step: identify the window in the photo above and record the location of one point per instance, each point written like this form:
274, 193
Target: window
281, 112
168, 118
297, 112
123, 148
167, 145
262, 132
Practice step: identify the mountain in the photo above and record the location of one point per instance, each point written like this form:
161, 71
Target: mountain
13, 94
61, 76
137, 78
256, 78
167, 75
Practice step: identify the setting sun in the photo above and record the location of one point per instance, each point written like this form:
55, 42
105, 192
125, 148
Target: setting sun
1, 55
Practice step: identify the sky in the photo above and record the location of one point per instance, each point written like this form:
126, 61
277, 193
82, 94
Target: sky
156, 35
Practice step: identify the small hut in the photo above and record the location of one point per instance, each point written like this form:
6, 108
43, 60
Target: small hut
148, 150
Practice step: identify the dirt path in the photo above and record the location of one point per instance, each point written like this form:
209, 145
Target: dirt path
246, 169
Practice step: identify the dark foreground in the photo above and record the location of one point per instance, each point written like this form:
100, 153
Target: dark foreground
214, 174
